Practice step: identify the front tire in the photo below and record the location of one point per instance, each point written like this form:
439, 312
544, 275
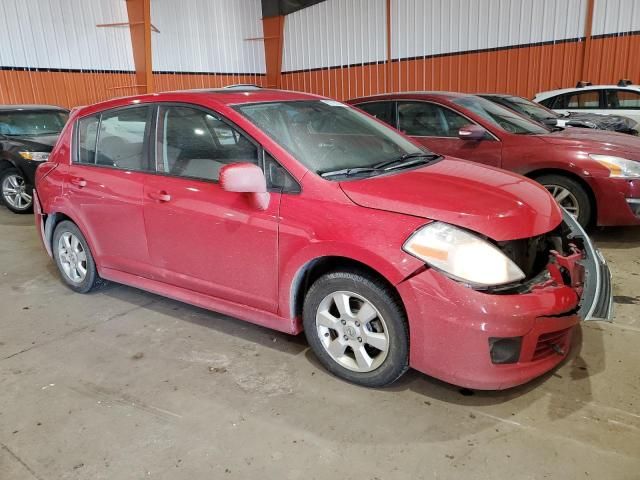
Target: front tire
357, 328
15, 191
74, 259
570, 195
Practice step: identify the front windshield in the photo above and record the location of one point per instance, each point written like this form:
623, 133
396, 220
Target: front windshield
533, 110
500, 116
30, 122
327, 136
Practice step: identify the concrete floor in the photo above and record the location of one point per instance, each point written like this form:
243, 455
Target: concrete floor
122, 384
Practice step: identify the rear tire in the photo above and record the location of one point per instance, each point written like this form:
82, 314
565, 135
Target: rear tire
357, 328
74, 259
571, 195
15, 192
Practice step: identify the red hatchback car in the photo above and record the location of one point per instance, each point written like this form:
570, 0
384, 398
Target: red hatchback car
595, 175
300, 213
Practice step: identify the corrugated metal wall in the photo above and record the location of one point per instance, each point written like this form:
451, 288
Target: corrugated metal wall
53, 52
515, 46
203, 43
336, 48
76, 62
614, 51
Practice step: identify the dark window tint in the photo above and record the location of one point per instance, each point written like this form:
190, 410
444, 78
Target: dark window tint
87, 136
579, 100
429, 120
381, 110
277, 177
550, 102
195, 143
121, 139
33, 123
623, 99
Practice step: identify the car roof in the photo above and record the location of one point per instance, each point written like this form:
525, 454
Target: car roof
223, 96
415, 94
553, 93
10, 108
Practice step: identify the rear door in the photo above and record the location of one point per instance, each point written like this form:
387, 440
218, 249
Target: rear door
436, 127
623, 101
104, 185
201, 237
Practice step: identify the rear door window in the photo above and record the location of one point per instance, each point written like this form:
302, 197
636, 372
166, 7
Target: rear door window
196, 143
86, 139
121, 139
424, 119
623, 99
581, 100
384, 111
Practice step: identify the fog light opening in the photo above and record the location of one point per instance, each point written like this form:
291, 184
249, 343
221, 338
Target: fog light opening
505, 349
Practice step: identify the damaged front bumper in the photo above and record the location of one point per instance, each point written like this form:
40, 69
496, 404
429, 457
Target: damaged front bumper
596, 301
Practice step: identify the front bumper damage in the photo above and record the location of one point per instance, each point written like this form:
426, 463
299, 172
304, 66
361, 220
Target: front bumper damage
596, 300
493, 340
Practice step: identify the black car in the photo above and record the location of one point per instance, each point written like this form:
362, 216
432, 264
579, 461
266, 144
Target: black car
27, 136
549, 118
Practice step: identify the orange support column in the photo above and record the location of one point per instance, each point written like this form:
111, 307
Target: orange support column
586, 48
273, 31
139, 12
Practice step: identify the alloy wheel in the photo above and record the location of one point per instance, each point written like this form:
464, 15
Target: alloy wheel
565, 199
352, 331
14, 192
73, 258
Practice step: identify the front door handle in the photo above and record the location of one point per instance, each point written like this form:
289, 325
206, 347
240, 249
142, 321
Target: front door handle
79, 182
160, 196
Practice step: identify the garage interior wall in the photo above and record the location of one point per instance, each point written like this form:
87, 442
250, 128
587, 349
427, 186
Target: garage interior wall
206, 43
512, 46
59, 56
70, 53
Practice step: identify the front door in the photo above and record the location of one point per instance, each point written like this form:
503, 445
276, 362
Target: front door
104, 185
201, 237
436, 127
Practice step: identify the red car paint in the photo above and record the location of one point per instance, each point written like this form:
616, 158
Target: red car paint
192, 241
558, 152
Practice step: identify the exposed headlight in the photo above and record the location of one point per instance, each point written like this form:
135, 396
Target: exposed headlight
462, 255
35, 156
618, 167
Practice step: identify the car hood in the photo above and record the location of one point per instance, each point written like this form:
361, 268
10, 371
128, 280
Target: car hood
595, 141
495, 203
604, 122
35, 143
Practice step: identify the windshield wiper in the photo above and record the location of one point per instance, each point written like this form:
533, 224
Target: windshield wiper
348, 172
403, 160
406, 160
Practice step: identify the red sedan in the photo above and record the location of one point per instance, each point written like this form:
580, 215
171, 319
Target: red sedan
594, 175
300, 213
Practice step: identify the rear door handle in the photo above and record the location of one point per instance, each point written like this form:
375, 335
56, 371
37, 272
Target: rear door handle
160, 196
79, 182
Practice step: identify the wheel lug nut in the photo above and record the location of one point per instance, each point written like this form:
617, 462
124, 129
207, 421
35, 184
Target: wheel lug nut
345, 337
357, 324
326, 334
344, 322
360, 339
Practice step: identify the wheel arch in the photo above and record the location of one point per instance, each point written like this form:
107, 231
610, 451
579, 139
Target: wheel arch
5, 164
316, 267
534, 174
51, 221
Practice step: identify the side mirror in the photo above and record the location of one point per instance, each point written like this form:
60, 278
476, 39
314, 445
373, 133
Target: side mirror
246, 178
472, 132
